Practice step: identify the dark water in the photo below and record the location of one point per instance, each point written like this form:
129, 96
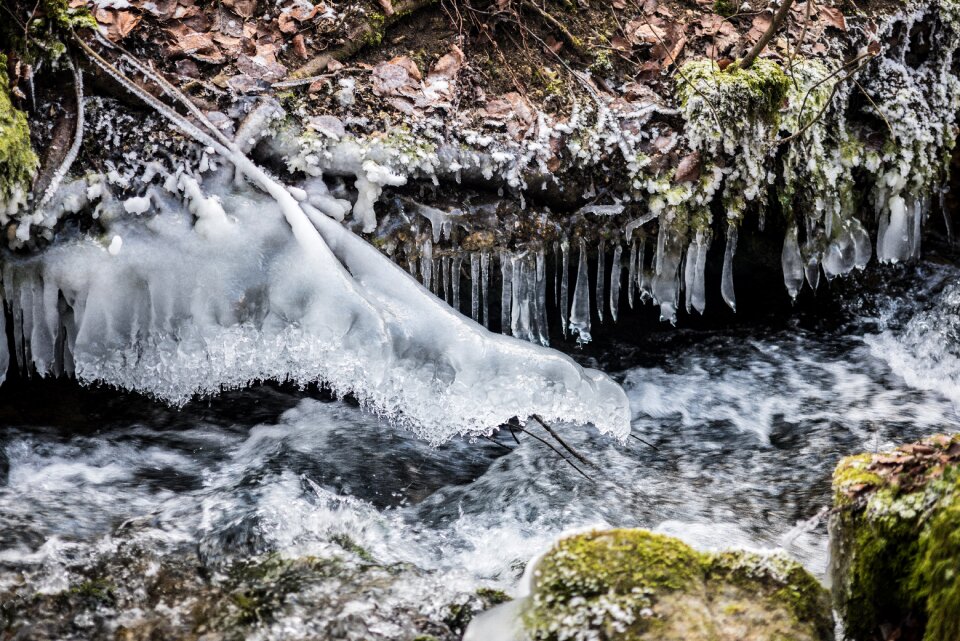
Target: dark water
119, 515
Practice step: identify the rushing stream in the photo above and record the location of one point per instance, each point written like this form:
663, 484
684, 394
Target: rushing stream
741, 427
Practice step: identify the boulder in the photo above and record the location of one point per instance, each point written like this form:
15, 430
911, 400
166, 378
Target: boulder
635, 585
895, 542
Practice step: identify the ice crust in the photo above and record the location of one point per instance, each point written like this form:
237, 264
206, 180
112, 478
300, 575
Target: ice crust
213, 291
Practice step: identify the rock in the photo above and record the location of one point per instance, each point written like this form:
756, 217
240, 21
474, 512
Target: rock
895, 542
634, 585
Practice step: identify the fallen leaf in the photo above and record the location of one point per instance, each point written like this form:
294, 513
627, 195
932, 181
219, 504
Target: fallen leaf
619, 4
243, 8
644, 32
300, 47
449, 65
119, 24
391, 79
260, 68
834, 17
620, 43
387, 7
412, 70
554, 45
759, 26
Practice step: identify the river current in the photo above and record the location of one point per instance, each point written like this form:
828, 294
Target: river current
740, 431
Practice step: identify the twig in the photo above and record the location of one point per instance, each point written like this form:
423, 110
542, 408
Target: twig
827, 102
778, 19
71, 154
893, 134
559, 453
567, 447
647, 443
571, 39
803, 36
496, 442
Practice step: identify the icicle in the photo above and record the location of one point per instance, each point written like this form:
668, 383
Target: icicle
893, 240
475, 286
699, 277
601, 269
580, 310
811, 270
4, 352
947, 218
426, 263
520, 309
646, 291
565, 285
543, 330
791, 262
862, 249
457, 266
919, 208
632, 273
412, 266
615, 282
485, 286
666, 283
448, 280
689, 269
437, 277
506, 271
726, 282
556, 273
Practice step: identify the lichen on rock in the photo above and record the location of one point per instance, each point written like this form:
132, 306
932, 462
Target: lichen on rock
895, 541
633, 585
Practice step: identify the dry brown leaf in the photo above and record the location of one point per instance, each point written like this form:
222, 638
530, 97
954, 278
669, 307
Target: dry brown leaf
119, 24
287, 23
243, 8
260, 68
449, 65
619, 4
833, 17
644, 32
553, 45
300, 47
391, 79
411, 67
759, 26
621, 44
387, 7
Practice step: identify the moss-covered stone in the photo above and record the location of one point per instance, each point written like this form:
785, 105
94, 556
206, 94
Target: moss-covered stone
895, 541
634, 585
18, 162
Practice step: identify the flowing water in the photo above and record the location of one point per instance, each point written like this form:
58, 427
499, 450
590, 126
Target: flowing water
138, 518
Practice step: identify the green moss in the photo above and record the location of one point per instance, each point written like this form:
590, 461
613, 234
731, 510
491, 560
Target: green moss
491, 597
350, 545
375, 29
612, 584
851, 472
18, 162
725, 8
896, 550
98, 589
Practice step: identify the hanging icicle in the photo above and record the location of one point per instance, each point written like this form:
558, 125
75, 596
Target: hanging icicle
474, 286
426, 263
726, 282
565, 285
632, 274
580, 309
506, 291
615, 283
791, 262
457, 266
543, 331
485, 286
699, 298
601, 272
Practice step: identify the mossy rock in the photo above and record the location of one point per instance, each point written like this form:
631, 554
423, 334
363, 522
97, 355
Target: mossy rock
18, 162
895, 542
634, 585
